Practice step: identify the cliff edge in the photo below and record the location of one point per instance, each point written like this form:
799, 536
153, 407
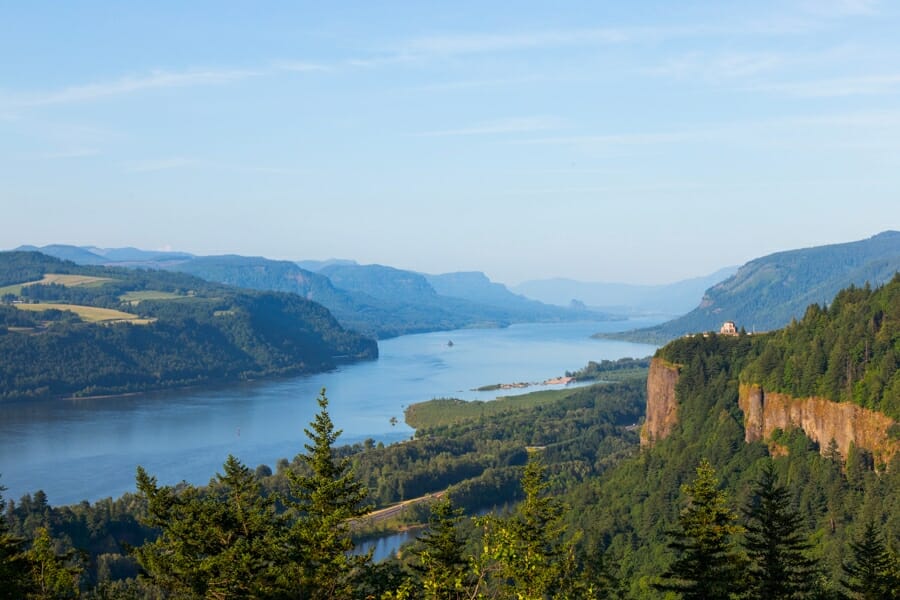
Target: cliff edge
822, 420
662, 407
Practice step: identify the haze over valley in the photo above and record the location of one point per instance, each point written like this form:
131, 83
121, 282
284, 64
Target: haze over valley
544, 301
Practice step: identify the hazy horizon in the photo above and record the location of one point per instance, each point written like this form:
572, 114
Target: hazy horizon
601, 142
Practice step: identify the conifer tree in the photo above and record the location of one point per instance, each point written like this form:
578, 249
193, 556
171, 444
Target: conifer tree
324, 499
707, 566
441, 562
14, 580
775, 543
531, 561
872, 572
222, 542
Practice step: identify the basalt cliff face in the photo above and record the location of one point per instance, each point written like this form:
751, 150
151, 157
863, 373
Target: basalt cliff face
662, 406
822, 420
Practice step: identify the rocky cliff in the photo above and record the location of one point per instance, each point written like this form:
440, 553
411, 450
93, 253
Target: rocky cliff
822, 420
662, 407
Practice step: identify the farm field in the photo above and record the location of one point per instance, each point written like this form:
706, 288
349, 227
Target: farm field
59, 279
91, 314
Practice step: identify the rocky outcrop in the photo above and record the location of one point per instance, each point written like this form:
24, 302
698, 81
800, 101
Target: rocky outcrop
822, 420
662, 407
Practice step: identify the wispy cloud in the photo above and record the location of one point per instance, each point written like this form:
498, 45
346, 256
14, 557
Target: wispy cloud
875, 127
129, 85
501, 126
718, 66
159, 79
864, 85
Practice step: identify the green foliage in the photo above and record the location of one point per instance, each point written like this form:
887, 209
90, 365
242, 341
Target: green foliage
532, 560
376, 300
323, 503
768, 292
872, 572
707, 565
53, 575
222, 542
441, 560
612, 370
207, 333
847, 352
14, 581
449, 411
775, 542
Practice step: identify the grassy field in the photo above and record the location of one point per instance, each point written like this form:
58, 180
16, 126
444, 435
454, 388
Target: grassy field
59, 279
91, 314
136, 297
446, 411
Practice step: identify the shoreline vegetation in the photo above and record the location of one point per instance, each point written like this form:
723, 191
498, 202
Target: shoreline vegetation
440, 412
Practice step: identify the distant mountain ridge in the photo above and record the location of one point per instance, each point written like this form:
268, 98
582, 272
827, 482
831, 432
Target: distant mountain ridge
375, 300
92, 255
766, 293
668, 299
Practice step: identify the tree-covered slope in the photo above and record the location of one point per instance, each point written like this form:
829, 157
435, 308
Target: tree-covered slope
176, 330
849, 351
768, 292
631, 511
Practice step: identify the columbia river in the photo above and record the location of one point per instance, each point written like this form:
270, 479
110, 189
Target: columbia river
88, 449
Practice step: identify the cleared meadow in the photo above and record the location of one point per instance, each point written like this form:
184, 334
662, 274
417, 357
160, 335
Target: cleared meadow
91, 314
58, 279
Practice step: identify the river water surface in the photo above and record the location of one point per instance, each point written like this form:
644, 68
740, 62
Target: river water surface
89, 448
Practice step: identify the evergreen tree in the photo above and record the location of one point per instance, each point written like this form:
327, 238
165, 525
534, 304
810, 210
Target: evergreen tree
14, 581
775, 543
526, 551
707, 566
442, 563
872, 573
324, 499
223, 542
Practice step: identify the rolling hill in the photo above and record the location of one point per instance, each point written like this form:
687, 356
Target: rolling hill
94, 330
768, 292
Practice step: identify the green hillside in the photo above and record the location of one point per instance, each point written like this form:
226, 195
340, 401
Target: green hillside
768, 292
189, 331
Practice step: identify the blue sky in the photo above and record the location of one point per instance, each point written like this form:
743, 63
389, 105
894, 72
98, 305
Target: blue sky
607, 141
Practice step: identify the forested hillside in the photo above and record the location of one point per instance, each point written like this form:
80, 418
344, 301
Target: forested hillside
768, 292
849, 351
76, 330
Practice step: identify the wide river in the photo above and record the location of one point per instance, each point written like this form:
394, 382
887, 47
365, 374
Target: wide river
89, 448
